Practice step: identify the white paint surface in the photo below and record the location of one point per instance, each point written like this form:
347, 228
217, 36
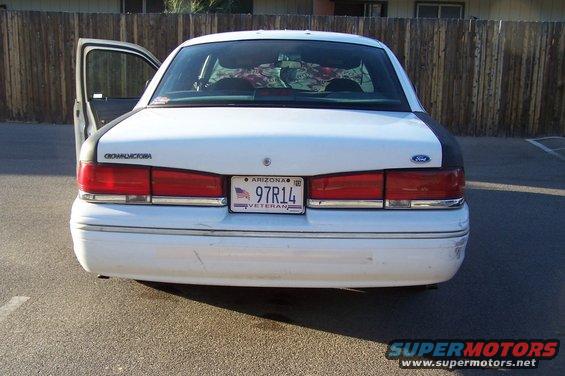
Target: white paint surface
299, 141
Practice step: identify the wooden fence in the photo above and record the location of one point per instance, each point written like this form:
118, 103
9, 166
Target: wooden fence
476, 77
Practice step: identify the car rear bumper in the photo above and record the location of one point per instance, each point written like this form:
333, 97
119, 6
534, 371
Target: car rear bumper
268, 261
268, 256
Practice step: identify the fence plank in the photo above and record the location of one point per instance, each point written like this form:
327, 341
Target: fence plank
14, 35
4, 76
476, 77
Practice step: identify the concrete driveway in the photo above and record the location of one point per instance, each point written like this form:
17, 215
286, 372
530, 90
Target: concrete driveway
511, 284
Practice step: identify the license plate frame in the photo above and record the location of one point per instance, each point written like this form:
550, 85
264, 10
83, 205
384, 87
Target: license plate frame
244, 197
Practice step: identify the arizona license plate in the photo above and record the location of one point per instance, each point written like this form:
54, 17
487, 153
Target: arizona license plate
267, 194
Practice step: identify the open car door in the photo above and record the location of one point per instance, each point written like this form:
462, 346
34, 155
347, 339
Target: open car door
110, 78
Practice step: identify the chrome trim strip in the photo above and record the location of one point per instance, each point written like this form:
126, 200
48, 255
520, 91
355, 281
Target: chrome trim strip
275, 234
424, 204
345, 204
437, 204
190, 201
94, 197
114, 199
156, 200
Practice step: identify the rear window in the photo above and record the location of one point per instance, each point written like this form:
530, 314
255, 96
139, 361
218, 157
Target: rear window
281, 73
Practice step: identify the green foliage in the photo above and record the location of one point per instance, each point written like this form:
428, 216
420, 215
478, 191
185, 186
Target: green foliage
199, 6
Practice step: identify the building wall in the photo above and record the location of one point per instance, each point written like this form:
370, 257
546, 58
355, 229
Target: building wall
509, 10
281, 6
98, 6
513, 10
323, 7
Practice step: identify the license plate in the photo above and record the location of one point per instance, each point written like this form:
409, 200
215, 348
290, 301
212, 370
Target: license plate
267, 194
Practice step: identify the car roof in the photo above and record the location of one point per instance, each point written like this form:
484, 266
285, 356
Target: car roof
284, 35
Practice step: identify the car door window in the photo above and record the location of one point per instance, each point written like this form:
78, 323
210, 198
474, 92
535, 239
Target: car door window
117, 75
114, 82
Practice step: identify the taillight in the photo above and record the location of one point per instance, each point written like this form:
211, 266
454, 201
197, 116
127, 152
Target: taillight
364, 186
399, 189
110, 183
113, 179
347, 190
425, 185
166, 182
424, 189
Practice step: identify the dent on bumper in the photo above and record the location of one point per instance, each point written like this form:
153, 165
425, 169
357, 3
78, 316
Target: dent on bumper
269, 261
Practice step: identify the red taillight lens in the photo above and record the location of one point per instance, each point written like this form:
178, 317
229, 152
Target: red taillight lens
165, 182
144, 181
113, 179
363, 186
425, 185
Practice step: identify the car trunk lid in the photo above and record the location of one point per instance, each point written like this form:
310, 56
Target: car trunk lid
297, 141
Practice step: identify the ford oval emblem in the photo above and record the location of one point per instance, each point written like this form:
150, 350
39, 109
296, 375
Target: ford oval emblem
420, 158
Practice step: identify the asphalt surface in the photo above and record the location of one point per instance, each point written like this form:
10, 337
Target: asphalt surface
511, 284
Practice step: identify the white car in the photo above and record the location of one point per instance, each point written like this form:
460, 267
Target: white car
263, 158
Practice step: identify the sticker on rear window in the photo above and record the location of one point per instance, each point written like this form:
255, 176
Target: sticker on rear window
160, 100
